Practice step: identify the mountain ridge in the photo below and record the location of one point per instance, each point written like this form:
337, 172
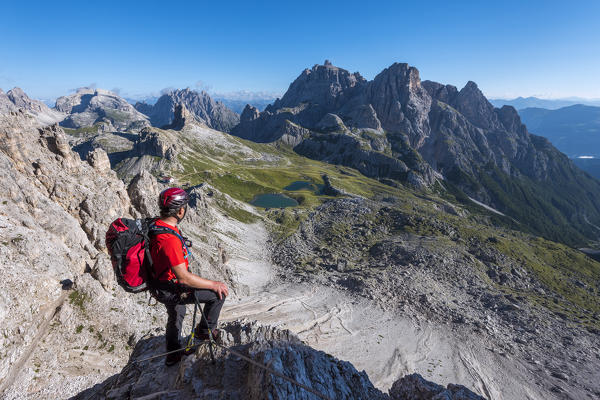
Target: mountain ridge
395, 127
572, 129
552, 104
90, 106
16, 99
213, 114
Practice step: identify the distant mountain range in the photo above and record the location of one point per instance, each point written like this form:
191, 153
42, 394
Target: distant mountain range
234, 101
105, 111
550, 104
574, 130
238, 105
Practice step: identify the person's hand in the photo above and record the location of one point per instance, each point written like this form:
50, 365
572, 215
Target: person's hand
221, 289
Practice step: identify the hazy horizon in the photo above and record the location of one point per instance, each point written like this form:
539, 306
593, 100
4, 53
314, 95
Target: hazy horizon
248, 95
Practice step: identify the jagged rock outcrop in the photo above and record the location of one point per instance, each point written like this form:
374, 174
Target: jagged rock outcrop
331, 123
16, 99
438, 91
471, 103
5, 104
99, 160
250, 113
233, 378
401, 103
88, 107
414, 387
143, 191
181, 116
329, 189
399, 129
154, 143
201, 106
325, 85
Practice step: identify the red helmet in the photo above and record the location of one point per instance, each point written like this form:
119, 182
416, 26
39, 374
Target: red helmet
173, 199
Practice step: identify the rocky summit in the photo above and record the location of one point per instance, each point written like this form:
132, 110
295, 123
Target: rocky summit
213, 114
16, 99
398, 129
89, 107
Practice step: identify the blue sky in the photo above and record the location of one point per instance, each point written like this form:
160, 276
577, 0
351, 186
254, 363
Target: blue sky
510, 48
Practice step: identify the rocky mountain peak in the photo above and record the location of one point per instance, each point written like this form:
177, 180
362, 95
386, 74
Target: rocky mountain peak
401, 103
250, 113
509, 117
397, 127
16, 98
472, 103
326, 85
16, 92
200, 105
21, 100
6, 105
88, 106
404, 72
181, 117
438, 91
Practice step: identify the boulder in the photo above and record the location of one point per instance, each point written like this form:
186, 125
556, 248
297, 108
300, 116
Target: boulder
415, 387
98, 159
143, 191
331, 123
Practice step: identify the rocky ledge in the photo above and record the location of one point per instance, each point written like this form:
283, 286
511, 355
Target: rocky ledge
231, 377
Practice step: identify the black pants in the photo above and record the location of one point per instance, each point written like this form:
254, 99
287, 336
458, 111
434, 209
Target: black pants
175, 302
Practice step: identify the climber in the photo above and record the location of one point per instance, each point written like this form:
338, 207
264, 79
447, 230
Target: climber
175, 285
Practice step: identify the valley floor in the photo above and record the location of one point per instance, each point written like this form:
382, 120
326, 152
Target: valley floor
386, 344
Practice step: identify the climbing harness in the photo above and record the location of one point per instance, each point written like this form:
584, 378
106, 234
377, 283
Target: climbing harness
190, 342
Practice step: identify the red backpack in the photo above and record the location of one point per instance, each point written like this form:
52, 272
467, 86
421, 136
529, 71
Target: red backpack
128, 243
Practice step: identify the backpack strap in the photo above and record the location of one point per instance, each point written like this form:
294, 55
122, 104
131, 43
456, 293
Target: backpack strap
154, 230
157, 230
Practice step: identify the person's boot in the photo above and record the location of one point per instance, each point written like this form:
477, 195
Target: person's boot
174, 358
202, 334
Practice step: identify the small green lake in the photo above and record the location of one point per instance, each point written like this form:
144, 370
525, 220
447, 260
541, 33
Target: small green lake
273, 200
304, 185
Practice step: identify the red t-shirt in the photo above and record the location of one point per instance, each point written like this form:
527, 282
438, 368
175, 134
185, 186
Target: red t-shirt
167, 251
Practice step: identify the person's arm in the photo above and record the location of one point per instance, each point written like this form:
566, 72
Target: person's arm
192, 280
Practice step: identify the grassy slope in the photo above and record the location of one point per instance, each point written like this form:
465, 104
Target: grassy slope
563, 270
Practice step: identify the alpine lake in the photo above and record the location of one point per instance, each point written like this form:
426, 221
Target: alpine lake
280, 200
